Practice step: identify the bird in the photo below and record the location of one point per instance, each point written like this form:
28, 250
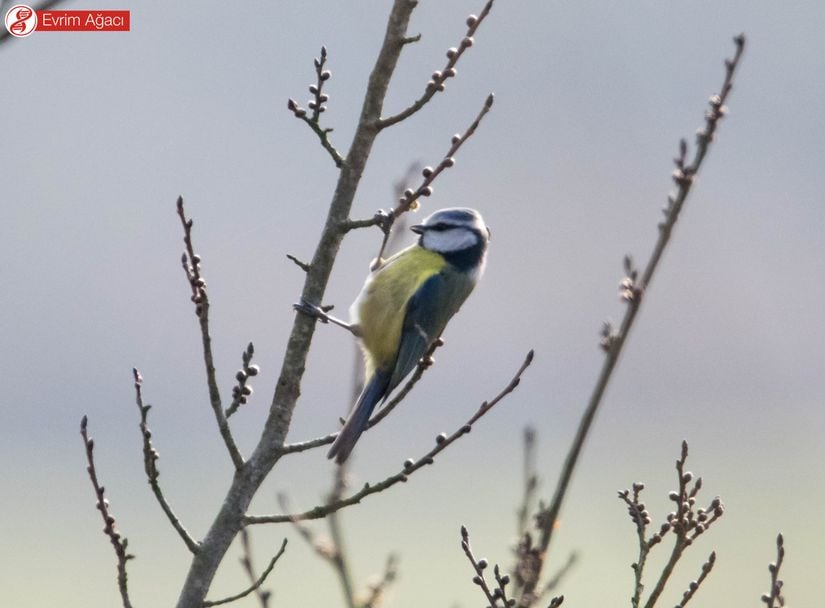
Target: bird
405, 305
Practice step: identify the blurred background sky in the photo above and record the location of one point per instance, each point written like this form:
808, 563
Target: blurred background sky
102, 131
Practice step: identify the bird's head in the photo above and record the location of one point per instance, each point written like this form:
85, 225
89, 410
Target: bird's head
453, 230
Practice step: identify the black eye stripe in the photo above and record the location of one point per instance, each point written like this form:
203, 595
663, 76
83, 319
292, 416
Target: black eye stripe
442, 226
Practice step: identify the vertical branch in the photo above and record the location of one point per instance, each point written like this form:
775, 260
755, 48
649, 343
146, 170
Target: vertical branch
531, 480
250, 475
191, 266
150, 458
247, 564
339, 558
632, 292
118, 542
775, 599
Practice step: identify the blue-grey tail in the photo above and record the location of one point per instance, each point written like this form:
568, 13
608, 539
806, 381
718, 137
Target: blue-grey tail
374, 391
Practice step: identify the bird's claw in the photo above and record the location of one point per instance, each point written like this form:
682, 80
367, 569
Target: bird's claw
317, 312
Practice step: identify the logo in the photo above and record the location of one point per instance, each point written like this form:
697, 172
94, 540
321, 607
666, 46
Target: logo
21, 20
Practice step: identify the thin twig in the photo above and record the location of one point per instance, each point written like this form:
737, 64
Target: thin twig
302, 265
339, 558
242, 391
191, 266
328, 549
531, 481
317, 106
119, 542
377, 589
254, 586
246, 561
410, 466
150, 458
693, 587
479, 565
687, 523
775, 599
409, 199
438, 81
632, 293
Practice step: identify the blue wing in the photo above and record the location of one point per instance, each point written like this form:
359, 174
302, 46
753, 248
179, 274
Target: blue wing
427, 314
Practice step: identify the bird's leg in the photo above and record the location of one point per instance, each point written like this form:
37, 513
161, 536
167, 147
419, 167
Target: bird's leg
322, 314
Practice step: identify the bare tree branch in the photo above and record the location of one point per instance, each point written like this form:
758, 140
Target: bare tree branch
376, 591
775, 599
410, 466
254, 587
339, 558
687, 523
249, 477
246, 561
694, 585
119, 542
331, 550
150, 458
191, 266
438, 81
423, 365
632, 292
480, 565
242, 391
531, 481
409, 200
317, 106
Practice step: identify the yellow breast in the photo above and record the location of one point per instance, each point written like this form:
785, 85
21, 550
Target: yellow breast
379, 309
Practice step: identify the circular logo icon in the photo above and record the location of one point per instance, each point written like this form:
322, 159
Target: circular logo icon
21, 20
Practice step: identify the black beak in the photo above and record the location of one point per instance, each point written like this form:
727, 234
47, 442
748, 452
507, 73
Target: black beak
418, 228
489, 234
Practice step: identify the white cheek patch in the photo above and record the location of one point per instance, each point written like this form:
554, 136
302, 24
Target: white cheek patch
445, 241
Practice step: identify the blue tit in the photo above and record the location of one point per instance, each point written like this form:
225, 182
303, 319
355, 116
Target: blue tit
406, 303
